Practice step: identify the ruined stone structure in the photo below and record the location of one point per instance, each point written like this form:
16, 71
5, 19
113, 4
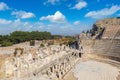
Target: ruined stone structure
105, 39
52, 62
111, 28
39, 63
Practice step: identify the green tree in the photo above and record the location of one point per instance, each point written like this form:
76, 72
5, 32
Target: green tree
22, 36
6, 43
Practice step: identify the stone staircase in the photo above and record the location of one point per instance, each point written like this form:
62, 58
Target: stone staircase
107, 48
101, 46
114, 49
108, 45
110, 31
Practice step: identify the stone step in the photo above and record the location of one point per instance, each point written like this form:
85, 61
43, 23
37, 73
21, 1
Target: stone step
115, 43
115, 47
114, 54
112, 51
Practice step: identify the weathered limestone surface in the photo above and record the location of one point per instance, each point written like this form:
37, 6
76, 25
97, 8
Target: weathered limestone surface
38, 63
105, 42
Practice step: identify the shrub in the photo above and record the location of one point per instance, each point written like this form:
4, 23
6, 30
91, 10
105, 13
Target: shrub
6, 43
51, 43
42, 45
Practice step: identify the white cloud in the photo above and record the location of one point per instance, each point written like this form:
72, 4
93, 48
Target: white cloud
103, 12
23, 14
58, 17
4, 21
76, 23
51, 2
63, 29
80, 5
3, 6
13, 25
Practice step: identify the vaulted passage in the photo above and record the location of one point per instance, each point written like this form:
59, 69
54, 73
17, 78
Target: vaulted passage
60, 68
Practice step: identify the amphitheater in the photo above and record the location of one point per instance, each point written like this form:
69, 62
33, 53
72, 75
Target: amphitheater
97, 58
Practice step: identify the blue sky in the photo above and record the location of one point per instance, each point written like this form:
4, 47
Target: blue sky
65, 17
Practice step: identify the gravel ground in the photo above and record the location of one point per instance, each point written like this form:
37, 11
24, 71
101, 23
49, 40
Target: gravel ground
93, 70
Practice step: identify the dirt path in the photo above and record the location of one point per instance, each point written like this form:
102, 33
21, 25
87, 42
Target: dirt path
93, 70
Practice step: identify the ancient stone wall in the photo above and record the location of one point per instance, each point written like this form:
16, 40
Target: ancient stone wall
52, 62
106, 48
